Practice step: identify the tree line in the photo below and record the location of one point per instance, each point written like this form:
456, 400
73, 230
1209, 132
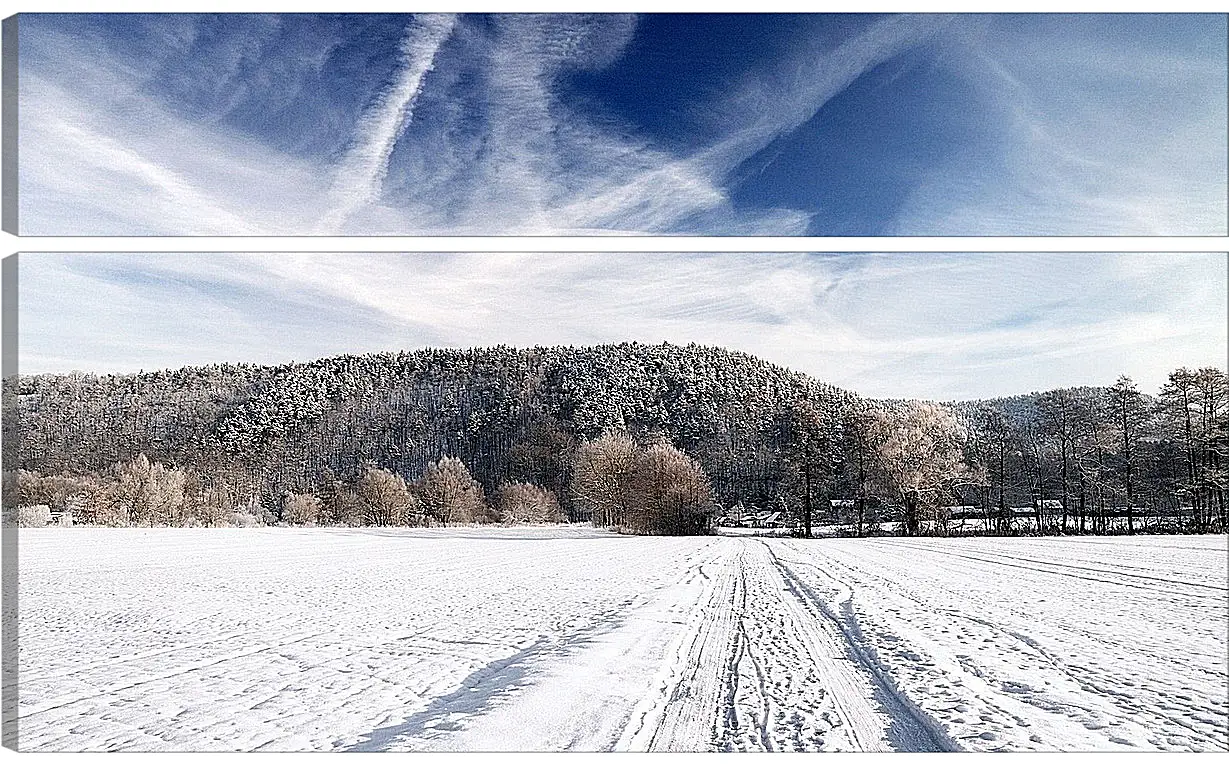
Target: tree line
640, 438
142, 492
1108, 456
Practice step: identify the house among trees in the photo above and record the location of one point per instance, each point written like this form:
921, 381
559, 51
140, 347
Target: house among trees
745, 516
954, 512
767, 519
841, 507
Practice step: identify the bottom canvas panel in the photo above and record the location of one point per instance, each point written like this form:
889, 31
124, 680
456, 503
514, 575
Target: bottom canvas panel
590, 502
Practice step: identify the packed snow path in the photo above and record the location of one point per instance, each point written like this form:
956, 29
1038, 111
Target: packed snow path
569, 638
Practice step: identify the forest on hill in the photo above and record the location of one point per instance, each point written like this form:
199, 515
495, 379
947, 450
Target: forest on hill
643, 438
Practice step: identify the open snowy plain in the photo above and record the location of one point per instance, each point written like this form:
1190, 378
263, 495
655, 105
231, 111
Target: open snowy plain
572, 638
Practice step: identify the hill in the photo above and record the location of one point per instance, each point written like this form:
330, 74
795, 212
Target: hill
509, 414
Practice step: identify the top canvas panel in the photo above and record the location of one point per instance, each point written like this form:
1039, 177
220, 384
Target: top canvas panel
721, 124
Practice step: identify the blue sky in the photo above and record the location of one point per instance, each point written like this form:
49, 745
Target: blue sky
701, 124
890, 325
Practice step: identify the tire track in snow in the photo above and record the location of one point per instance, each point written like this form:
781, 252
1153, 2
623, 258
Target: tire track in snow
762, 666
812, 696
680, 713
1080, 684
910, 729
575, 692
753, 705
391, 605
1005, 560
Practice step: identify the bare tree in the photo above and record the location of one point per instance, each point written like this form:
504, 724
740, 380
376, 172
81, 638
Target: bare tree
449, 494
672, 495
544, 456
808, 439
1129, 413
384, 499
995, 434
1060, 423
601, 475
301, 509
527, 503
1213, 385
214, 505
1179, 403
919, 457
858, 433
1092, 442
141, 493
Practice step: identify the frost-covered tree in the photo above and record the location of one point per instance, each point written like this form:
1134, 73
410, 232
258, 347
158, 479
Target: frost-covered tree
1090, 448
339, 502
601, 478
142, 493
1193, 407
385, 499
811, 450
991, 441
855, 466
34, 516
212, 506
449, 494
250, 514
919, 457
1061, 421
1213, 386
528, 503
670, 494
1179, 405
302, 509
1129, 413
511, 415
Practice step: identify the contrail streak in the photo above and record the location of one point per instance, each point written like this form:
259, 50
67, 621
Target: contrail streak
362, 171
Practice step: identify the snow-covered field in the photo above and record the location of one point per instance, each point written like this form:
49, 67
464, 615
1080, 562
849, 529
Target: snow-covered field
570, 638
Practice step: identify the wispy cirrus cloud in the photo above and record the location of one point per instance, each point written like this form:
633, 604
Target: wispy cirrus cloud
486, 124
360, 175
1100, 136
893, 325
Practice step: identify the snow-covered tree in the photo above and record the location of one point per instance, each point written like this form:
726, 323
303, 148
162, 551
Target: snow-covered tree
1129, 413
212, 506
449, 494
919, 457
601, 477
263, 432
528, 503
811, 448
384, 499
671, 494
1193, 407
34, 516
143, 493
302, 509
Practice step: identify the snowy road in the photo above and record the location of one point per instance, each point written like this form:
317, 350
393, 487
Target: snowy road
550, 639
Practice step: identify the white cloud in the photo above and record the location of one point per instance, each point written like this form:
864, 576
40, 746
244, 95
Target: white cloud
1096, 139
92, 168
510, 158
360, 176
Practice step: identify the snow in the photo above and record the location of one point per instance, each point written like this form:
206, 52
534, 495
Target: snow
570, 638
